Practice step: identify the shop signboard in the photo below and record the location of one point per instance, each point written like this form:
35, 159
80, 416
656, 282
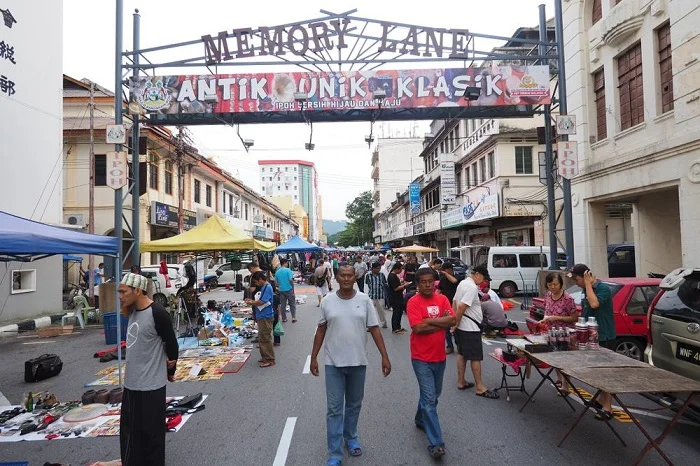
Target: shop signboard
259, 232
165, 215
448, 182
341, 90
568, 158
414, 197
432, 221
419, 228
485, 208
117, 169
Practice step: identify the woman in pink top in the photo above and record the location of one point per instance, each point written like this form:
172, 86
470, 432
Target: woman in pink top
559, 309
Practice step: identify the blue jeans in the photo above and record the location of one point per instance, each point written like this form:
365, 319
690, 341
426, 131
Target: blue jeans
429, 375
344, 386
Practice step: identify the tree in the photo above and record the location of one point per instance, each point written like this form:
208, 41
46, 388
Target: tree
360, 226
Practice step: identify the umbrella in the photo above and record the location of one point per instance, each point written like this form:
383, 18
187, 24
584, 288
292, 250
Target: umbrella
416, 248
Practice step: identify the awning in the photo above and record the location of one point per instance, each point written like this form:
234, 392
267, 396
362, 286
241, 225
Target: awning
71, 258
296, 244
215, 234
22, 239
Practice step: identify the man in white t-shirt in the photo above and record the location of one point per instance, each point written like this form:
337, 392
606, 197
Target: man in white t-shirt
467, 307
346, 317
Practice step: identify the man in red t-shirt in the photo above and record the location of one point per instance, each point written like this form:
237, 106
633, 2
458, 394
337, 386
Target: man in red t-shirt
429, 314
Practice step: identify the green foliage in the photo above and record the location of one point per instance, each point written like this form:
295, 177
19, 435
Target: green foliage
360, 227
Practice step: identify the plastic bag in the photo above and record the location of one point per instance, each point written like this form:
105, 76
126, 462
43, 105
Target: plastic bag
278, 331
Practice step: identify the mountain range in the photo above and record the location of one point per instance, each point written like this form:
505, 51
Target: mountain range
331, 227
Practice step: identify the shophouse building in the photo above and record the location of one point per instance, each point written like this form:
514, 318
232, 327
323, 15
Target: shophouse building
633, 76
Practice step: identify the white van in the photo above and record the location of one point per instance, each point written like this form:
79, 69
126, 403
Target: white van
515, 268
161, 293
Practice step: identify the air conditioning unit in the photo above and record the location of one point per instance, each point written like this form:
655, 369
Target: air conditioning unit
77, 220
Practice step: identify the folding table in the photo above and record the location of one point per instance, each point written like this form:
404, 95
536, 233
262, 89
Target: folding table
641, 378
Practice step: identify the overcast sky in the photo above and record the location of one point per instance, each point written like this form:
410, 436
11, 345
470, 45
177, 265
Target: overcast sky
341, 156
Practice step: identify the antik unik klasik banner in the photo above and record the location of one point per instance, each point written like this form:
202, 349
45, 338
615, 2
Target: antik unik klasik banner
398, 89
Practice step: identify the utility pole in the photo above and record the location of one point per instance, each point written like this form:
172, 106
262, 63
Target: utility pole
180, 181
91, 208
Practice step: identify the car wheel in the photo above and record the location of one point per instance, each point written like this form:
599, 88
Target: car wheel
160, 299
213, 283
508, 289
630, 347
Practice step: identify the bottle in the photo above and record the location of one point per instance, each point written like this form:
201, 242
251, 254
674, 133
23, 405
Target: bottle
561, 338
592, 333
572, 339
29, 402
552, 337
582, 333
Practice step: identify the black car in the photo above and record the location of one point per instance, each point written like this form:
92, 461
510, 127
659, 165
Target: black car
621, 260
459, 267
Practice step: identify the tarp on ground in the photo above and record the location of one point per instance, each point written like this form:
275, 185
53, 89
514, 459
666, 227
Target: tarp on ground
23, 239
215, 234
296, 244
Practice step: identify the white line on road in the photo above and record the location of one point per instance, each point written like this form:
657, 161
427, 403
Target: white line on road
518, 322
285, 442
39, 342
486, 342
307, 365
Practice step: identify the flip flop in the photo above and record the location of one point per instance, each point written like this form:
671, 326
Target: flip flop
333, 462
604, 416
354, 448
437, 452
489, 394
468, 385
267, 364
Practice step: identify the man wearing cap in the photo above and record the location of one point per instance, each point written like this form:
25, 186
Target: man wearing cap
151, 356
467, 306
597, 303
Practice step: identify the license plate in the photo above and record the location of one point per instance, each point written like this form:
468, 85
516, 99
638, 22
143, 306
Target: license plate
688, 353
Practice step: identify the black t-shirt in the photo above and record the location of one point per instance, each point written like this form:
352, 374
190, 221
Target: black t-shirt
447, 287
411, 271
394, 282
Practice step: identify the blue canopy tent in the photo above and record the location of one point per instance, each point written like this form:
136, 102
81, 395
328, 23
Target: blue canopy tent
25, 240
296, 244
385, 247
71, 258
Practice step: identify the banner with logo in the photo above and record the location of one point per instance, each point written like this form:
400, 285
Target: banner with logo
448, 183
485, 208
315, 91
414, 197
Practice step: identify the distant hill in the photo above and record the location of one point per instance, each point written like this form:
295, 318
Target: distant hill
331, 227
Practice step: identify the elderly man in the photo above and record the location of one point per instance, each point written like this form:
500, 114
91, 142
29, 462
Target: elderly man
346, 317
152, 359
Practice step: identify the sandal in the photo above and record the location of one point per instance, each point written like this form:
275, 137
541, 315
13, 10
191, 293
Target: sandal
489, 394
354, 448
333, 462
267, 364
437, 452
468, 385
604, 415
558, 384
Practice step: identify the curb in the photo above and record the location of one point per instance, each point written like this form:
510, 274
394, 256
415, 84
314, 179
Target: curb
33, 324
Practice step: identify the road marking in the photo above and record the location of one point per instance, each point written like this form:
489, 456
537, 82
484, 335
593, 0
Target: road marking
39, 342
307, 365
4, 401
519, 322
516, 302
285, 442
486, 342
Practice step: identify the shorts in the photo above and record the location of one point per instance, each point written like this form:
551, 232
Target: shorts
322, 290
469, 345
609, 344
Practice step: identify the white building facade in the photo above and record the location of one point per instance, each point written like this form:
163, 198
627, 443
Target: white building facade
31, 145
633, 76
395, 163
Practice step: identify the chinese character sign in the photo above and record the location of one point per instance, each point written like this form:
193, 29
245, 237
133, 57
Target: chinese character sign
270, 92
414, 197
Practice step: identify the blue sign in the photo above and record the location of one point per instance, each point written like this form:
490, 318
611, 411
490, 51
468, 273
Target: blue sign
414, 197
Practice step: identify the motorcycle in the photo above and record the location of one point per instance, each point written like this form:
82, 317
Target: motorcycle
76, 290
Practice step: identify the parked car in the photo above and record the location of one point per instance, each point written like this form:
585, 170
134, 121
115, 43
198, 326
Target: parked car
460, 268
631, 300
514, 268
621, 260
226, 275
674, 324
162, 292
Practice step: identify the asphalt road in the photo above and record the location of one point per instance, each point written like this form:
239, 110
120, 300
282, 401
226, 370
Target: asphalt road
246, 413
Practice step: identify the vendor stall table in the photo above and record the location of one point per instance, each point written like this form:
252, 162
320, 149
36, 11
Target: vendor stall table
634, 378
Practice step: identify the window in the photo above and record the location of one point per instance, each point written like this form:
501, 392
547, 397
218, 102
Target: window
286, 187
263, 179
458, 180
208, 195
23, 281
638, 304
629, 77
492, 164
295, 168
295, 196
197, 191
262, 169
663, 35
296, 187
278, 187
246, 211
597, 11
505, 261
153, 172
270, 179
224, 203
295, 178
475, 175
286, 169
168, 177
467, 177
533, 260
100, 170
431, 199
523, 160
482, 169
600, 110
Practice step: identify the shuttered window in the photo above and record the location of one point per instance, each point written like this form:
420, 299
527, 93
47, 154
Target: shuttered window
630, 87
599, 90
663, 35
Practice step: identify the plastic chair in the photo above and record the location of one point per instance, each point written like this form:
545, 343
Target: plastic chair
82, 307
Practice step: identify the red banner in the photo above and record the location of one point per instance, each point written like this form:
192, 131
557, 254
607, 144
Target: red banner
270, 92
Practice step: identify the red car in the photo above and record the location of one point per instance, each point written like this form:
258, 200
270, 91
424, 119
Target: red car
631, 299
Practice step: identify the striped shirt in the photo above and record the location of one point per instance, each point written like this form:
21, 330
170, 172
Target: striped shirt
376, 284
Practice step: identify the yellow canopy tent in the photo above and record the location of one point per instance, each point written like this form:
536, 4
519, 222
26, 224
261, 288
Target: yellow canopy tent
215, 234
416, 248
